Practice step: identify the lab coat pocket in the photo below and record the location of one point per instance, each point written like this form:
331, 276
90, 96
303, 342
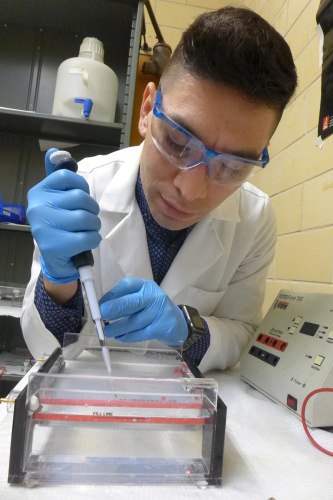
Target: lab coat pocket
203, 300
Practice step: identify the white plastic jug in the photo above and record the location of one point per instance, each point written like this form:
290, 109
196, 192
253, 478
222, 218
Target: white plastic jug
86, 88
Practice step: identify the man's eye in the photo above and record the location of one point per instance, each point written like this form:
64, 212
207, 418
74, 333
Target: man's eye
226, 167
233, 172
225, 170
175, 146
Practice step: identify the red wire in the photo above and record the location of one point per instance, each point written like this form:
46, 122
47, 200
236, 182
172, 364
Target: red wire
305, 402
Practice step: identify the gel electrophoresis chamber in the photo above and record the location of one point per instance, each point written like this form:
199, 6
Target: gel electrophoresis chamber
151, 421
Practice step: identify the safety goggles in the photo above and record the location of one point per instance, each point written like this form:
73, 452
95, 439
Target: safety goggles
186, 151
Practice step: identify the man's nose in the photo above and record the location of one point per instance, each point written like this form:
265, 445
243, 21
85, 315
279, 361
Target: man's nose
192, 182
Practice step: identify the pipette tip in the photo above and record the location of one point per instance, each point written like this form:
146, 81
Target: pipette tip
106, 358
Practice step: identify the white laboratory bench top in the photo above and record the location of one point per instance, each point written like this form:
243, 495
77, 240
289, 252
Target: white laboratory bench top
266, 456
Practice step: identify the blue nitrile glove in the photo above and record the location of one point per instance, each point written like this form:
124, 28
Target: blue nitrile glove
146, 313
64, 221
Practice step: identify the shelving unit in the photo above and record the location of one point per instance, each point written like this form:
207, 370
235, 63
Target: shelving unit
59, 128
35, 37
15, 227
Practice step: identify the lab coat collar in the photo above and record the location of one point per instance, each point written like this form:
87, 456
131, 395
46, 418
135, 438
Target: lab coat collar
229, 209
119, 194
206, 248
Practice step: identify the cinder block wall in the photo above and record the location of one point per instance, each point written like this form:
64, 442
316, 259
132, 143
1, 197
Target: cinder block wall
299, 178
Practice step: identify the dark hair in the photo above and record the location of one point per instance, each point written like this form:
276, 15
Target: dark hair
237, 47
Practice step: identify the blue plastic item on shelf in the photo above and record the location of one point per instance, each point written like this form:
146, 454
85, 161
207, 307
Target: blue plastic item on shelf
12, 213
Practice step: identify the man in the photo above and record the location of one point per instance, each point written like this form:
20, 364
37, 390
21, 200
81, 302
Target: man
178, 222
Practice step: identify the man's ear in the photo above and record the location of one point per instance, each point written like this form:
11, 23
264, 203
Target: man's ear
146, 107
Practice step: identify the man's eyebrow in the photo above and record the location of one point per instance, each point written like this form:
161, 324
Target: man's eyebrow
251, 155
180, 121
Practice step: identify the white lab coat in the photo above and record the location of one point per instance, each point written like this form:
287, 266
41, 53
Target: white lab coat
220, 269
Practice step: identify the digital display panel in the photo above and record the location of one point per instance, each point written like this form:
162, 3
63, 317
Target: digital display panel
309, 328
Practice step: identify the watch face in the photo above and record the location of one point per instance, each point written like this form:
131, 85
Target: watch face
197, 321
193, 319
195, 324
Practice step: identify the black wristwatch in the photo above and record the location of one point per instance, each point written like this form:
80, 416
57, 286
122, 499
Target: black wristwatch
196, 325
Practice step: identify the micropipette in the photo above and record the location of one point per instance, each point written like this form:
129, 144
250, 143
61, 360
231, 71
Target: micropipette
84, 262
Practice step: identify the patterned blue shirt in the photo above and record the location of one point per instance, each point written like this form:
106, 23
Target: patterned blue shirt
163, 245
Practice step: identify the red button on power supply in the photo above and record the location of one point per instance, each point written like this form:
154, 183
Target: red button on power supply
292, 402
